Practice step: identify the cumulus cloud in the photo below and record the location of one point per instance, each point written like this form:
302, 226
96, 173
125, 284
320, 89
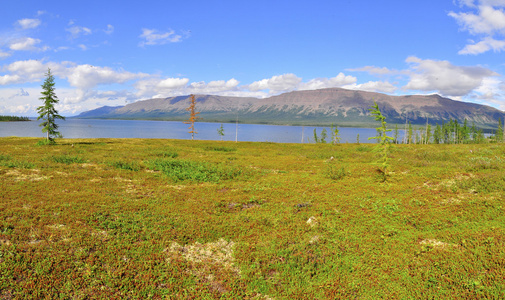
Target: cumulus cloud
83, 77
486, 20
373, 86
22, 93
25, 44
28, 23
154, 37
77, 31
10, 79
444, 77
280, 83
4, 55
23, 71
87, 76
157, 87
485, 45
491, 92
321, 83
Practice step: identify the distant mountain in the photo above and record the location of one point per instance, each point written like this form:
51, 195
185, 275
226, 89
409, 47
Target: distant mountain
315, 107
100, 112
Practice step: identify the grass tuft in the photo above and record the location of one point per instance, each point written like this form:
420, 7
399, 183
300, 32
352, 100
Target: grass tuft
182, 170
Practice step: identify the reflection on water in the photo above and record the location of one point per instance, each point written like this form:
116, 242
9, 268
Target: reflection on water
85, 128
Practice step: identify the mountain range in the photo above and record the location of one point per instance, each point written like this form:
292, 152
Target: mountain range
321, 107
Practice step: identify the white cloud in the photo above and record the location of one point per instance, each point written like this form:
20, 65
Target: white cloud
322, 83
80, 76
25, 44
153, 37
487, 20
109, 30
4, 55
444, 77
374, 70
157, 87
76, 31
21, 93
28, 23
280, 83
24, 71
10, 79
491, 92
213, 86
373, 86
87, 76
485, 45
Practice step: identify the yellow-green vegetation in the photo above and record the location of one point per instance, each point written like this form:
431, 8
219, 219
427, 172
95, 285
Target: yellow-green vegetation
13, 118
142, 218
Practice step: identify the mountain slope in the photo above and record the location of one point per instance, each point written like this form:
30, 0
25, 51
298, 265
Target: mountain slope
316, 107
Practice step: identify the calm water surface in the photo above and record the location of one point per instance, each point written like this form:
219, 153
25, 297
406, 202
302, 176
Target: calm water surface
86, 128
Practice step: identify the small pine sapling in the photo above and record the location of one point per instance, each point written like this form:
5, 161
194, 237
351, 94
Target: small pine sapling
324, 135
383, 139
220, 131
316, 139
335, 134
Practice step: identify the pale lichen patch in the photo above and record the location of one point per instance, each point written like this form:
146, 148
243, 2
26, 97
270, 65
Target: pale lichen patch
437, 244
34, 175
220, 253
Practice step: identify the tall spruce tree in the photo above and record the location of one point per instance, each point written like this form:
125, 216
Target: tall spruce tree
47, 112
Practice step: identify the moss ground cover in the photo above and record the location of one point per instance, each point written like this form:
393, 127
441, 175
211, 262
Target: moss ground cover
139, 218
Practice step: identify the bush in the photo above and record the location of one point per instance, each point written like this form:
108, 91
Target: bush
68, 159
168, 154
335, 172
46, 142
130, 166
180, 170
221, 149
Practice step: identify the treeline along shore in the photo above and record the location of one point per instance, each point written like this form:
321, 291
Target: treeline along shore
13, 118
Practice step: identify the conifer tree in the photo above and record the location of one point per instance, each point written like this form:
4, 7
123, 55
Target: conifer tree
382, 138
499, 132
335, 134
47, 112
220, 131
192, 116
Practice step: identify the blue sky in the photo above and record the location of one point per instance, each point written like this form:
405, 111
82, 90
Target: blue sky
118, 52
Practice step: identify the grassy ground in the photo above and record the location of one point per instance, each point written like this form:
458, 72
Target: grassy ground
134, 218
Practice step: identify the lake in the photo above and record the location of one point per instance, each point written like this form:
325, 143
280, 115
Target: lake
90, 128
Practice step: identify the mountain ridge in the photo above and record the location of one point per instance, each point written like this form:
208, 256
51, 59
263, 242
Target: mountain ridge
309, 107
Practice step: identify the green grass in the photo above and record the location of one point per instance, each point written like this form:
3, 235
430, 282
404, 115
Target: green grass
170, 219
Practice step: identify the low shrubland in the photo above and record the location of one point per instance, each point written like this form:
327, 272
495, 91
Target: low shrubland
142, 218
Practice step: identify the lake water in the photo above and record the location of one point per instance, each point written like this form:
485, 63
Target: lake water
89, 128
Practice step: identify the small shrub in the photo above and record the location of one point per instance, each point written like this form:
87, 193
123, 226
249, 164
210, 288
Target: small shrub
485, 163
46, 142
362, 148
130, 166
221, 149
181, 170
68, 159
335, 172
18, 164
168, 154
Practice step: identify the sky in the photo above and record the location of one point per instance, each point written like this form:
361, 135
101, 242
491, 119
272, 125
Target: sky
118, 52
